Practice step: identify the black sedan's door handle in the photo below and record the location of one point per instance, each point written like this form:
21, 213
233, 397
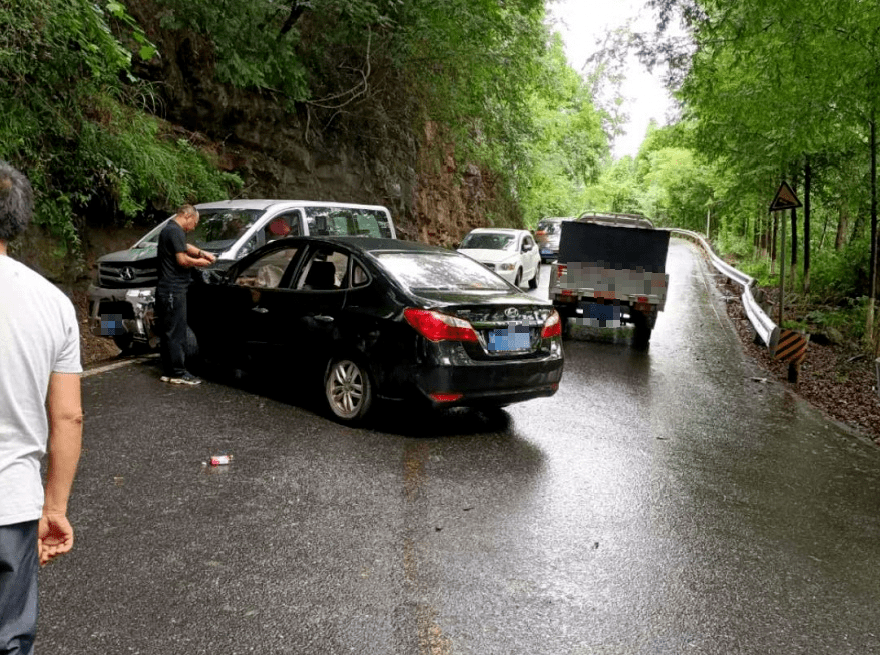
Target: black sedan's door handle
261, 310
323, 318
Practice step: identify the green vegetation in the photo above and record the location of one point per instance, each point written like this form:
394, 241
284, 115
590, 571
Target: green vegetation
770, 91
84, 128
489, 73
75, 121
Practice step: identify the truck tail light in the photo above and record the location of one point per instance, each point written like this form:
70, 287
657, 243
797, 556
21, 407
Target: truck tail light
561, 269
552, 326
435, 326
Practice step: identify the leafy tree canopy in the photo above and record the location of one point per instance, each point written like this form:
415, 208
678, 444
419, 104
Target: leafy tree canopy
72, 121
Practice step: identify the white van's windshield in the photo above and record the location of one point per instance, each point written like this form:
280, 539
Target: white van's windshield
336, 221
218, 229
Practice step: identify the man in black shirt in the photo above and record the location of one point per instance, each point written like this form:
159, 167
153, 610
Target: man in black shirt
176, 258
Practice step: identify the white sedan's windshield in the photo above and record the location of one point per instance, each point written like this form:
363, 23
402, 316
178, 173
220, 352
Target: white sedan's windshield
440, 271
488, 241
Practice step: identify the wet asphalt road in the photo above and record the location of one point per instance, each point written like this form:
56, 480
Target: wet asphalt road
666, 501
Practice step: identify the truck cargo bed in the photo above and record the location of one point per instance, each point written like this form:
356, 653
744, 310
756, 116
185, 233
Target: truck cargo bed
608, 246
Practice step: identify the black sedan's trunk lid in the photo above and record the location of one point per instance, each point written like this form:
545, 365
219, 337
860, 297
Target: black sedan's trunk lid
507, 326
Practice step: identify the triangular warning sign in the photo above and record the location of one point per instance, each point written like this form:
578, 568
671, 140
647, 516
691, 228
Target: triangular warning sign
785, 199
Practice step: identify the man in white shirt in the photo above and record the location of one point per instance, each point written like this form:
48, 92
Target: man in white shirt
40, 408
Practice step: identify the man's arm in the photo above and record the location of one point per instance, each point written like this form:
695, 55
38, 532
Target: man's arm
193, 257
64, 408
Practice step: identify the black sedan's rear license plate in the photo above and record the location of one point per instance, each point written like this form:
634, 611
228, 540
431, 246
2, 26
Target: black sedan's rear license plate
511, 338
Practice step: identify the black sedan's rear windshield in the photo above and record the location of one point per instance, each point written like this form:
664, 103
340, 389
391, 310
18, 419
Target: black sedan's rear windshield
439, 271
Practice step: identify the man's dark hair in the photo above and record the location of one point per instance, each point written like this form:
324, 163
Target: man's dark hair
16, 202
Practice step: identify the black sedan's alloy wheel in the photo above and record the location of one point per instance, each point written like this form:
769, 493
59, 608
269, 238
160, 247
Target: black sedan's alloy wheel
348, 390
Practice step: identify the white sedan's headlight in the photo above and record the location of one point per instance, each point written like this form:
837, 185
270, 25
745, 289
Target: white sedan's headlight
507, 266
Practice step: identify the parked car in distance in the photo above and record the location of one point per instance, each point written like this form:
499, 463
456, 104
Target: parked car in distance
121, 301
511, 253
547, 234
365, 319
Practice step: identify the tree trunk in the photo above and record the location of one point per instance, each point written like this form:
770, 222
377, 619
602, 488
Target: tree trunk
296, 10
869, 323
794, 240
808, 172
842, 225
773, 231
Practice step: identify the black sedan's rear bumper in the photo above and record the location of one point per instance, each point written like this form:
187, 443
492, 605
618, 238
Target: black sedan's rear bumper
446, 377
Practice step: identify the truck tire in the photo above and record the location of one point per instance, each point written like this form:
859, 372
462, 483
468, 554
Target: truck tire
642, 332
565, 320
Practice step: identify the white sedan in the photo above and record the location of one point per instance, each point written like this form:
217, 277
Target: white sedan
513, 254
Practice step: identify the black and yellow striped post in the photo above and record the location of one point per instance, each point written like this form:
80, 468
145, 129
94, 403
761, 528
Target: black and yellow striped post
791, 348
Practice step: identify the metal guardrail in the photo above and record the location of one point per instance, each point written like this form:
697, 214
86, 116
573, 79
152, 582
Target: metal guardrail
763, 325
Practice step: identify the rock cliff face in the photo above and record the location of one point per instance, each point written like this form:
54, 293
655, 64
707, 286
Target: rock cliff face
285, 154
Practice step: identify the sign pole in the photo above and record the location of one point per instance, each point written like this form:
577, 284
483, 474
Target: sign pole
782, 276
792, 347
785, 199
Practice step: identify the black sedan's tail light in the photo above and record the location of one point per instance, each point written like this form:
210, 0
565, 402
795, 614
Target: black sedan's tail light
552, 326
436, 326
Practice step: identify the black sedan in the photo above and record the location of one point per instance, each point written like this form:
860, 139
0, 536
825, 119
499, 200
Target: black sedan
372, 319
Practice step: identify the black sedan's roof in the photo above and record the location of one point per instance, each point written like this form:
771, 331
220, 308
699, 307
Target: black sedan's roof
373, 244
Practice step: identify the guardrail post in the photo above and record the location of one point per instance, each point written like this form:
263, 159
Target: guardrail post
794, 366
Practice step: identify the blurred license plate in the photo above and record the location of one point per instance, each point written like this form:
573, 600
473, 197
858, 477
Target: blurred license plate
111, 325
514, 337
603, 312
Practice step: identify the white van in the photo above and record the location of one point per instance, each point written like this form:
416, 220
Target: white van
121, 301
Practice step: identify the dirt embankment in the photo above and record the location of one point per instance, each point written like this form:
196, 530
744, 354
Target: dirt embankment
840, 379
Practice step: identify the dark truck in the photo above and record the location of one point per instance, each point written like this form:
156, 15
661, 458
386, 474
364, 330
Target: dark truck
611, 271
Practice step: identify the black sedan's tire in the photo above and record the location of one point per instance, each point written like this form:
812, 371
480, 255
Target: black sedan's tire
348, 390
